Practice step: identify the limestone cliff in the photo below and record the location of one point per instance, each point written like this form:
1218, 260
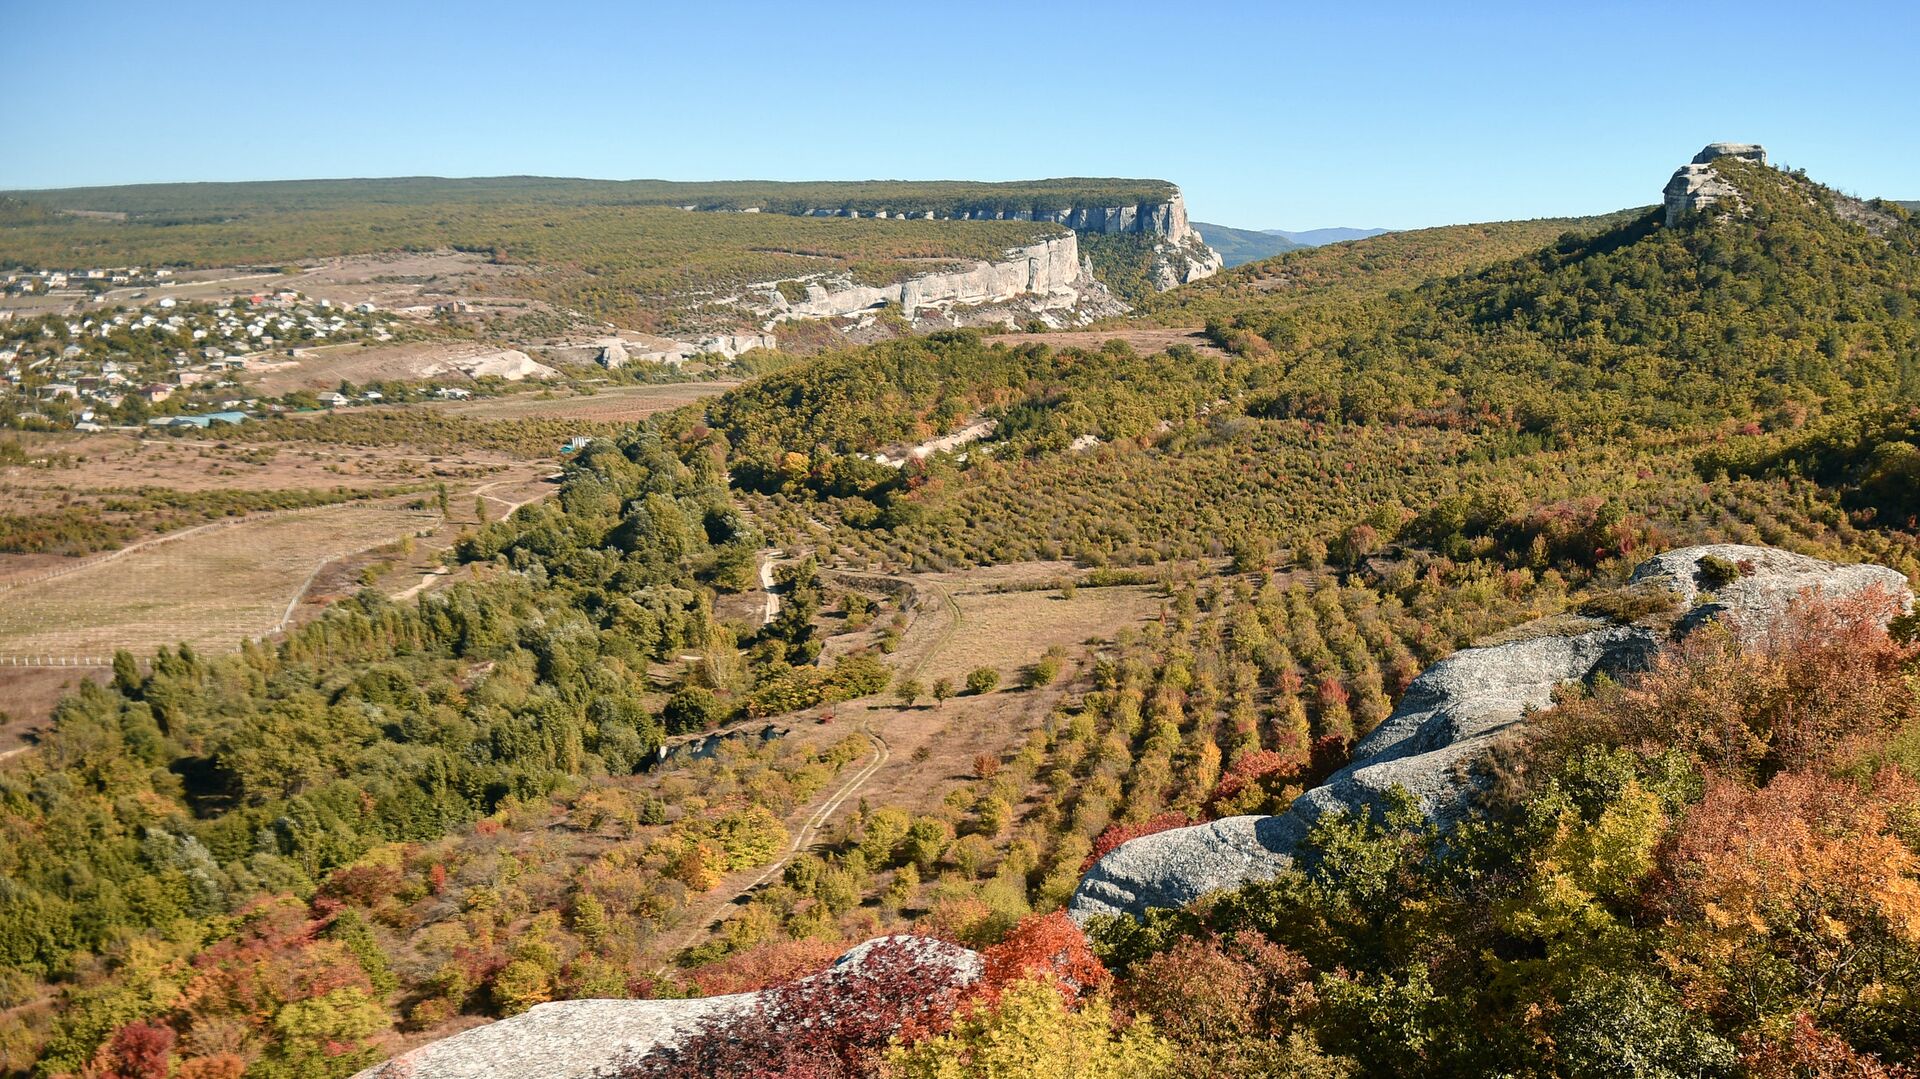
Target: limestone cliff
1180, 254
1046, 280
1451, 715
1696, 185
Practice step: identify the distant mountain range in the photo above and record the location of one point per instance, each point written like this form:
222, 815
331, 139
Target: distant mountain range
1317, 237
1237, 246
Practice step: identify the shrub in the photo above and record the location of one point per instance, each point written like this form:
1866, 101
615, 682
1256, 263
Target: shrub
1627, 605
1716, 572
982, 680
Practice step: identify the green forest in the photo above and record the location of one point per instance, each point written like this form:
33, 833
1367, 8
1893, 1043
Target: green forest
405, 817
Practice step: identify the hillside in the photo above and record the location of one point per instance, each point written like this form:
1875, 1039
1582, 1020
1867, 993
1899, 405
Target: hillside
1375, 265
909, 637
1239, 246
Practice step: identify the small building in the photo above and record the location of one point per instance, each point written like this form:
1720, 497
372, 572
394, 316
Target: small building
334, 400
576, 444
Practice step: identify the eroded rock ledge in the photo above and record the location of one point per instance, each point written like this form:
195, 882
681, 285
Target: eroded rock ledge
1696, 185
1451, 714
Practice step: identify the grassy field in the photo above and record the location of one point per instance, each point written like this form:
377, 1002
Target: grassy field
211, 588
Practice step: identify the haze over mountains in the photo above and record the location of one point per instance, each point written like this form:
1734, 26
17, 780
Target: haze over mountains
1240, 246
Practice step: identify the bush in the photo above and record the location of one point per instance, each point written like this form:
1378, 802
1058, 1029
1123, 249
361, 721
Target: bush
1626, 605
1716, 572
693, 709
1044, 672
982, 680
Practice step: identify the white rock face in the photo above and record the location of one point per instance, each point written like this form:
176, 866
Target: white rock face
1697, 185
1449, 717
582, 1039
1048, 272
510, 364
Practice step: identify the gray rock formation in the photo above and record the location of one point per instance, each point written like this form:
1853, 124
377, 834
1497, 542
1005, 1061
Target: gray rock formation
1697, 185
1181, 255
1746, 151
1048, 274
1450, 716
580, 1039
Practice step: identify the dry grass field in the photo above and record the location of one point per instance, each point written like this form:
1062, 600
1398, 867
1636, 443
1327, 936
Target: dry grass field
622, 404
211, 588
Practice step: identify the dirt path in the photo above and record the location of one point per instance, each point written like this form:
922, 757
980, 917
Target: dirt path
767, 559
937, 618
702, 915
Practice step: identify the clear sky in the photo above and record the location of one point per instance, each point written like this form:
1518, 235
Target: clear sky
1269, 115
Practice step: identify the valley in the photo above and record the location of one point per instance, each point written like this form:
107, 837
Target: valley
1484, 649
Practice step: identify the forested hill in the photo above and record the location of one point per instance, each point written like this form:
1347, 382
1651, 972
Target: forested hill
1238, 247
1376, 264
1789, 308
204, 200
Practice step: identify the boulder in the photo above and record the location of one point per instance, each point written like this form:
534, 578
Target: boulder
581, 1039
1453, 712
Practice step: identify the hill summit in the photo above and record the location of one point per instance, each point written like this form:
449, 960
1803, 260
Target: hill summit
1697, 185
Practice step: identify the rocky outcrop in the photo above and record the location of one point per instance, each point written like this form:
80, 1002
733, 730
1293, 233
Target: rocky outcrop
581, 1039
1043, 279
1697, 185
1453, 712
1180, 256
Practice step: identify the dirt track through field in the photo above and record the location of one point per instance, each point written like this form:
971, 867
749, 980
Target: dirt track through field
703, 915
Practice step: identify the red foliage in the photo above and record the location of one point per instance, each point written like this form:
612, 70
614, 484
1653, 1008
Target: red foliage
1045, 945
1332, 693
363, 885
437, 878
1250, 768
1116, 834
136, 1051
834, 1026
1812, 1053
772, 963
1328, 754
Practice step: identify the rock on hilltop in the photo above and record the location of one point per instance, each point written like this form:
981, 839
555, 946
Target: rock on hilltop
1696, 185
1452, 713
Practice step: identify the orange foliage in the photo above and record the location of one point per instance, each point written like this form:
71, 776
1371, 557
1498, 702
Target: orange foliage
1258, 766
1203, 992
1044, 945
772, 963
1822, 682
1808, 872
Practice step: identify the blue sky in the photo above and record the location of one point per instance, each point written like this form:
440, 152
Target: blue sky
1290, 115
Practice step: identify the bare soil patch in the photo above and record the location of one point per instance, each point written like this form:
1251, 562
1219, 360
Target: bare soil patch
28, 694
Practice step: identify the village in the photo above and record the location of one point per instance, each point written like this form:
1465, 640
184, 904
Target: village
170, 362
